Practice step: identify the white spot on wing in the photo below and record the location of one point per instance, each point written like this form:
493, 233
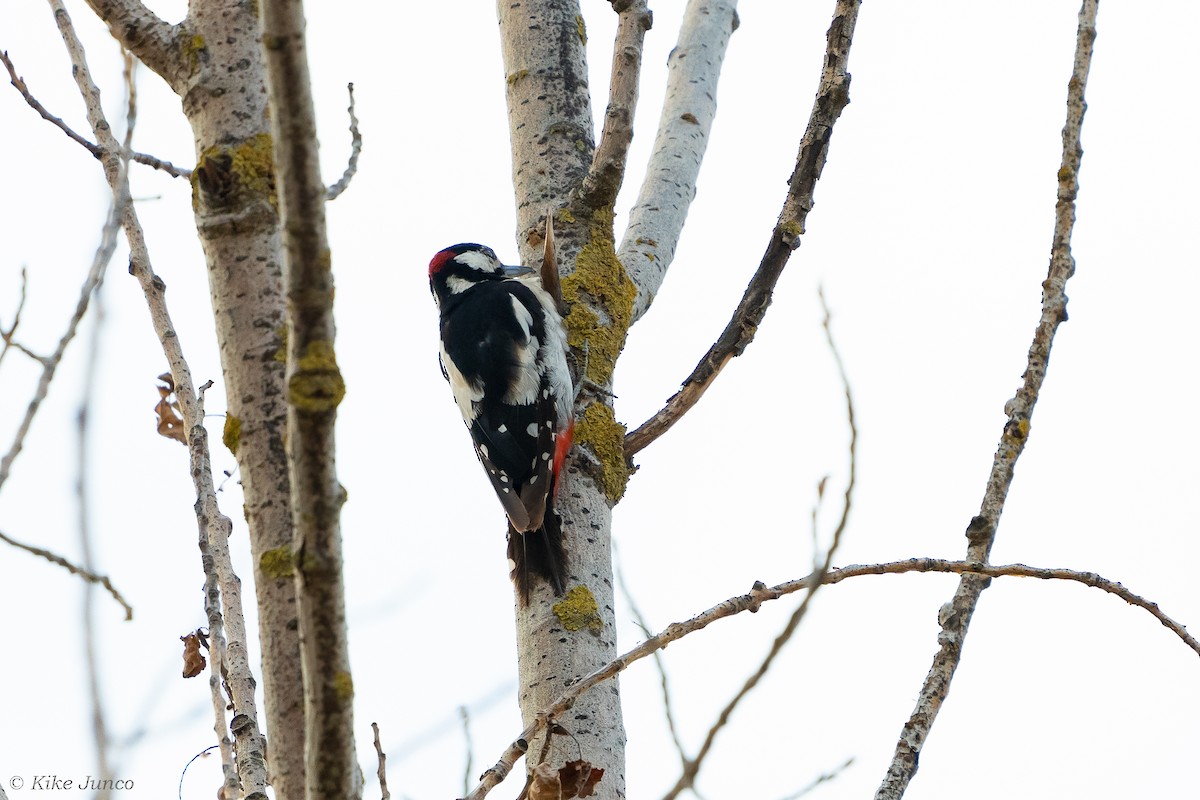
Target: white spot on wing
532, 429
502, 429
483, 449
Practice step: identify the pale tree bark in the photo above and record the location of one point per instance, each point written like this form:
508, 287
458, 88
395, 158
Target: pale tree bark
213, 61
656, 219
557, 169
559, 640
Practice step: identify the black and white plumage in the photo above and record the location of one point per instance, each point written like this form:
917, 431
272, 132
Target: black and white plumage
504, 352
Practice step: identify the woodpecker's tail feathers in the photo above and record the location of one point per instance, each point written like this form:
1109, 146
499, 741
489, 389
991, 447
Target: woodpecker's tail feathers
538, 553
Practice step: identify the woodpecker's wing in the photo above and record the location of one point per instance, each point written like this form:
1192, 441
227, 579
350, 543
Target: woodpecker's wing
515, 444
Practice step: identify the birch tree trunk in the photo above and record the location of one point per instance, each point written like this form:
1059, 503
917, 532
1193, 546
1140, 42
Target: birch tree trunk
560, 640
213, 61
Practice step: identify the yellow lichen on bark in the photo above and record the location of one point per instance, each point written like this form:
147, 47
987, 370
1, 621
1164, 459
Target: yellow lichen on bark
232, 434
277, 563
316, 385
578, 611
254, 165
227, 173
192, 47
598, 429
343, 686
600, 276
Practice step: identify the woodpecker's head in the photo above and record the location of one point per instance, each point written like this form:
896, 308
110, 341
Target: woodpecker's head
459, 267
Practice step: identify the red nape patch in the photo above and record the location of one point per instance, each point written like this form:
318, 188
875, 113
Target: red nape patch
440, 260
562, 445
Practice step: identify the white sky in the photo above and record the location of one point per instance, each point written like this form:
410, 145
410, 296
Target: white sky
931, 235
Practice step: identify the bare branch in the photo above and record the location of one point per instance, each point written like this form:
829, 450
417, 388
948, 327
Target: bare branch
94, 149
824, 777
230, 662
83, 507
382, 771
356, 142
88, 576
20, 85
315, 388
832, 97
607, 172
214, 530
667, 191
7, 335
981, 532
760, 593
153, 41
104, 253
664, 684
691, 767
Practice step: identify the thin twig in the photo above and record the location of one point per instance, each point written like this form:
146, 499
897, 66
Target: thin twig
691, 767
644, 626
356, 143
981, 532
74, 569
382, 771
104, 253
83, 456
7, 334
824, 777
182, 774
603, 180
832, 97
760, 593
95, 149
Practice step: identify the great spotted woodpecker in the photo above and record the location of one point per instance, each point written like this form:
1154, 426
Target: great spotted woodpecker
504, 352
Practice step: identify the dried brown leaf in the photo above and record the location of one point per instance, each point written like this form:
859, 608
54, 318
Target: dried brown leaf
544, 784
579, 779
170, 417
193, 660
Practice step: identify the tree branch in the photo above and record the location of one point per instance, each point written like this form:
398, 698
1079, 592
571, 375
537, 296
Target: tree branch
94, 149
691, 767
143, 33
832, 97
356, 143
104, 254
761, 593
664, 683
981, 532
667, 191
315, 388
74, 569
6, 335
213, 526
604, 177
381, 771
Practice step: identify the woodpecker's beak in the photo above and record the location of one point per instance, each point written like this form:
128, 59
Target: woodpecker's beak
516, 272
